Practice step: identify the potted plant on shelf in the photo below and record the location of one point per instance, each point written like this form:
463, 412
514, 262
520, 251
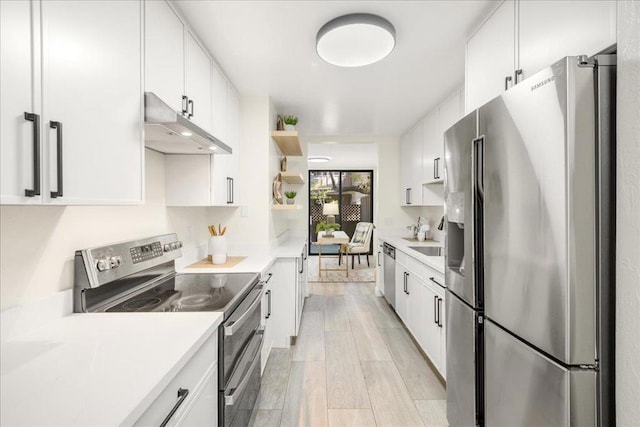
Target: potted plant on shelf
327, 227
290, 122
290, 197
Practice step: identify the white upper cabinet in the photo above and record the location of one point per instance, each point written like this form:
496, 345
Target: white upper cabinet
90, 102
411, 167
20, 157
522, 37
164, 53
219, 97
551, 30
491, 59
198, 82
432, 148
178, 69
92, 86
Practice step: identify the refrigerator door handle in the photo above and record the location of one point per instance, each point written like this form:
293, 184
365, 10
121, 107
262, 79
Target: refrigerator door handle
477, 166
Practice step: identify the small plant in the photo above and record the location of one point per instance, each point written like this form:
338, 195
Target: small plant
290, 194
327, 226
291, 120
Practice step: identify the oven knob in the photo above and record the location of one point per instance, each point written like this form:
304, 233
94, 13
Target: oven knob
179, 243
174, 246
103, 264
115, 261
167, 248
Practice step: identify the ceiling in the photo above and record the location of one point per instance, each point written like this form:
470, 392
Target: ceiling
268, 48
344, 155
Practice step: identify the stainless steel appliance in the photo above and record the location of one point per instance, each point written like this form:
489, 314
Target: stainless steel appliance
139, 276
172, 132
389, 274
530, 239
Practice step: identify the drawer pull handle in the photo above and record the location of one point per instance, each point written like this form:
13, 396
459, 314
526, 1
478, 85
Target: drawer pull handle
182, 395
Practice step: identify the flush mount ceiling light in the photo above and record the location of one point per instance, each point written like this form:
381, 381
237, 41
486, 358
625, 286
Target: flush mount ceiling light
355, 40
318, 159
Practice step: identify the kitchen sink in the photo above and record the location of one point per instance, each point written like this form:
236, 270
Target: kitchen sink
428, 250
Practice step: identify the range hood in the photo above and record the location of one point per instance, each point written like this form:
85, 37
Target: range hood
167, 131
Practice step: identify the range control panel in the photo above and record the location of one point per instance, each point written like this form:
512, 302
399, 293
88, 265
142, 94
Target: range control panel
146, 252
107, 263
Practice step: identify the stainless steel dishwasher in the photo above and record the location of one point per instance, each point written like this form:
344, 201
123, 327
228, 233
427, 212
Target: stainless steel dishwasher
389, 274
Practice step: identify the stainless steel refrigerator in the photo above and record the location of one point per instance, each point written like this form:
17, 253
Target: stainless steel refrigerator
530, 206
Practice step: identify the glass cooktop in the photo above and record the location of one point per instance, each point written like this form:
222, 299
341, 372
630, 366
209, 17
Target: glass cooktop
191, 292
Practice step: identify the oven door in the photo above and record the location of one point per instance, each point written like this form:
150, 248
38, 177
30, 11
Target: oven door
237, 400
235, 333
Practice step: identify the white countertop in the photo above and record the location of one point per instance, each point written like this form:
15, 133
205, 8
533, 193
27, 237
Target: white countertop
106, 368
258, 260
435, 262
96, 369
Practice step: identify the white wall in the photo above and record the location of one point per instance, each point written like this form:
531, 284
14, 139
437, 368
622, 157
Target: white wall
628, 216
38, 242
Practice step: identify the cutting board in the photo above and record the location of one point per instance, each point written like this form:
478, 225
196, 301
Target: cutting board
232, 261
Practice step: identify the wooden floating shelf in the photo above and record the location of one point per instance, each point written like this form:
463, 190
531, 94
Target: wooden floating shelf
292, 177
286, 207
288, 142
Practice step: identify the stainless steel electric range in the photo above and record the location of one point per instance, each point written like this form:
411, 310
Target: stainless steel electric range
139, 276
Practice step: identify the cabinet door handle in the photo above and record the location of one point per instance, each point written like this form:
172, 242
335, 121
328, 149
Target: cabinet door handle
182, 395
407, 284
233, 188
268, 304
435, 281
35, 119
408, 196
439, 308
269, 276
506, 82
190, 109
185, 104
58, 127
379, 259
301, 263
518, 74
435, 310
435, 168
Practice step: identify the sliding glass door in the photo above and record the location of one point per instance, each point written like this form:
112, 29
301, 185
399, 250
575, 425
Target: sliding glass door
350, 190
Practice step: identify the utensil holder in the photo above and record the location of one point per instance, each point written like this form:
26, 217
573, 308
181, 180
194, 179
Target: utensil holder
218, 249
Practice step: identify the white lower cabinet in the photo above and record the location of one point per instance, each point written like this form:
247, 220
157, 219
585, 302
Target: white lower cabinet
289, 292
420, 305
380, 267
203, 410
191, 398
283, 301
267, 322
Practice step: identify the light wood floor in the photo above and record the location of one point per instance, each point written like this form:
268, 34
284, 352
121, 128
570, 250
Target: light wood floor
353, 365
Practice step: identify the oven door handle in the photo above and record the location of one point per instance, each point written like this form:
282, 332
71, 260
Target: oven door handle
230, 400
233, 325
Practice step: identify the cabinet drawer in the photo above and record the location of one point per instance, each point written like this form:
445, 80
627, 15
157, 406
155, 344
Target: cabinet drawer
188, 378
